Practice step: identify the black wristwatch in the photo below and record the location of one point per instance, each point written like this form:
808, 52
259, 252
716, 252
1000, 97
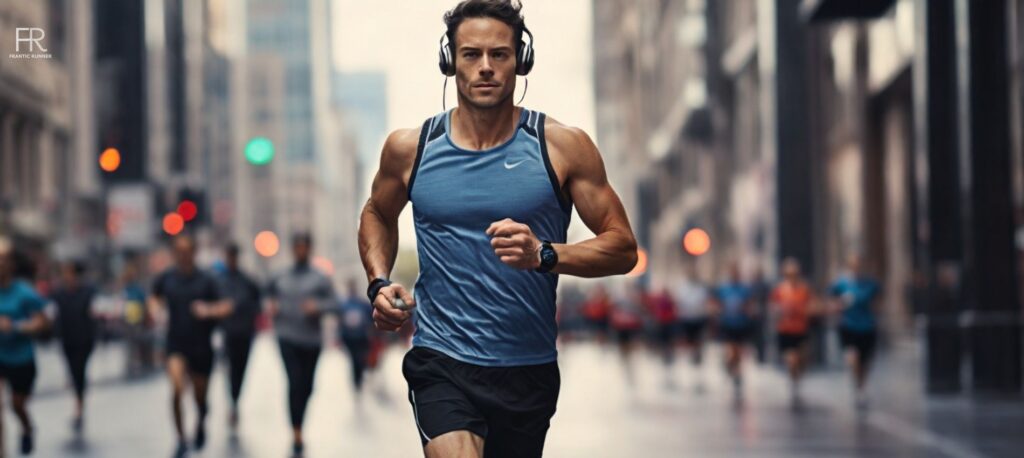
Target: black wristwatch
548, 257
374, 289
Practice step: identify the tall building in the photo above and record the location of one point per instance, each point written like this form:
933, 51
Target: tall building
289, 97
49, 188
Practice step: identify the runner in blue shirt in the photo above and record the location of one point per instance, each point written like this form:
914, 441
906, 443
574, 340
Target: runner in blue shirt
733, 303
21, 316
853, 296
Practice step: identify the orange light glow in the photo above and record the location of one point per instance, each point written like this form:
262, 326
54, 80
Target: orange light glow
641, 263
110, 160
173, 223
696, 242
267, 244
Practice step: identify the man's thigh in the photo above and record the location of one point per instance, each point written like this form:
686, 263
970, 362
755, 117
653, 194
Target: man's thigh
455, 444
519, 409
440, 405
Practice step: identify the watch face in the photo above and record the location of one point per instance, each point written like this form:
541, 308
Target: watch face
547, 255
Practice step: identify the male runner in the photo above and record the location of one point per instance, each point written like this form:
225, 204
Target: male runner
193, 302
298, 298
492, 187
77, 326
793, 302
734, 305
21, 317
239, 327
692, 300
853, 297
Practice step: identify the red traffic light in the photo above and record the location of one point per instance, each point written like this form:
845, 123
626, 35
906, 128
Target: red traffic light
188, 210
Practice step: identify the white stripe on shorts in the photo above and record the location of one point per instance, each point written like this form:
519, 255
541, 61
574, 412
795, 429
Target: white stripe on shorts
416, 414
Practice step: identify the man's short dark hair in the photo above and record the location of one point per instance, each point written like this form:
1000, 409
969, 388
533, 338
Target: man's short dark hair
302, 237
507, 11
231, 249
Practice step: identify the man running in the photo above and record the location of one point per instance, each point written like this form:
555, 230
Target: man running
193, 303
77, 326
691, 297
853, 295
298, 298
492, 187
356, 328
21, 316
733, 301
792, 301
239, 327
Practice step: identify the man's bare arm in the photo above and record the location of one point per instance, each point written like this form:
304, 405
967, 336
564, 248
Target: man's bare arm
613, 250
378, 225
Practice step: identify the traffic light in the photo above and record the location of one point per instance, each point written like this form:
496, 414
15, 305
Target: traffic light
259, 151
110, 160
192, 206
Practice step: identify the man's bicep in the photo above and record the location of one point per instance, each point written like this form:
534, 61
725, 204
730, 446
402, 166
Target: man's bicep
596, 202
388, 195
389, 191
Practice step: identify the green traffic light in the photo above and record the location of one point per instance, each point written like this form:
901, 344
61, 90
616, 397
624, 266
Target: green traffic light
259, 151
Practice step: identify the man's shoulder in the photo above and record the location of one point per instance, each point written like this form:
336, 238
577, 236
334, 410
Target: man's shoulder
570, 145
402, 142
563, 135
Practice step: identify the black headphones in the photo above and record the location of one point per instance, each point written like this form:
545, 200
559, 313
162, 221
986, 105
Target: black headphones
524, 55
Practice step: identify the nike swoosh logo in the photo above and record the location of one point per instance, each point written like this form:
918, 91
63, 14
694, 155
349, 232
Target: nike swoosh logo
512, 166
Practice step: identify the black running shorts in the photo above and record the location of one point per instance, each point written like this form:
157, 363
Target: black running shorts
509, 407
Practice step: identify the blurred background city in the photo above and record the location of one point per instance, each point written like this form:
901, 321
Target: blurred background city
737, 132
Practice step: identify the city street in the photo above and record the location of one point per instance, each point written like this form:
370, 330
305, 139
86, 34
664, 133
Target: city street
599, 414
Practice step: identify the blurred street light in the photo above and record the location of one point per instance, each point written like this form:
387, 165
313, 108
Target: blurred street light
325, 265
259, 151
110, 160
267, 244
696, 242
188, 210
173, 223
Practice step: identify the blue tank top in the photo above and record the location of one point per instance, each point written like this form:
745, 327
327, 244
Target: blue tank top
469, 305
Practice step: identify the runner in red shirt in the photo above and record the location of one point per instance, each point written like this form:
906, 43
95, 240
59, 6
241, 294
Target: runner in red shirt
794, 304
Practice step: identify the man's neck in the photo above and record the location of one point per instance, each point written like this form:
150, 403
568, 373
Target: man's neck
483, 128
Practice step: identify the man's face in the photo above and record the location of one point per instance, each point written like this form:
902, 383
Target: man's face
791, 270
231, 260
853, 263
734, 273
301, 251
485, 61
184, 251
67, 273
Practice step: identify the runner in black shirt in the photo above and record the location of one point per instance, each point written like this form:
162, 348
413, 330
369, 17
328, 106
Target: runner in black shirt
240, 327
77, 327
193, 302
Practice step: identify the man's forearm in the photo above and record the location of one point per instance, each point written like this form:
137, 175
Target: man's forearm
378, 244
610, 253
222, 308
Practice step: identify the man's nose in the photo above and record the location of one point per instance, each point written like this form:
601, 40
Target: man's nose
485, 66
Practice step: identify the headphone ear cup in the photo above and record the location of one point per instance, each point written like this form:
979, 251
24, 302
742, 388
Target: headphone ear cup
444, 60
524, 59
